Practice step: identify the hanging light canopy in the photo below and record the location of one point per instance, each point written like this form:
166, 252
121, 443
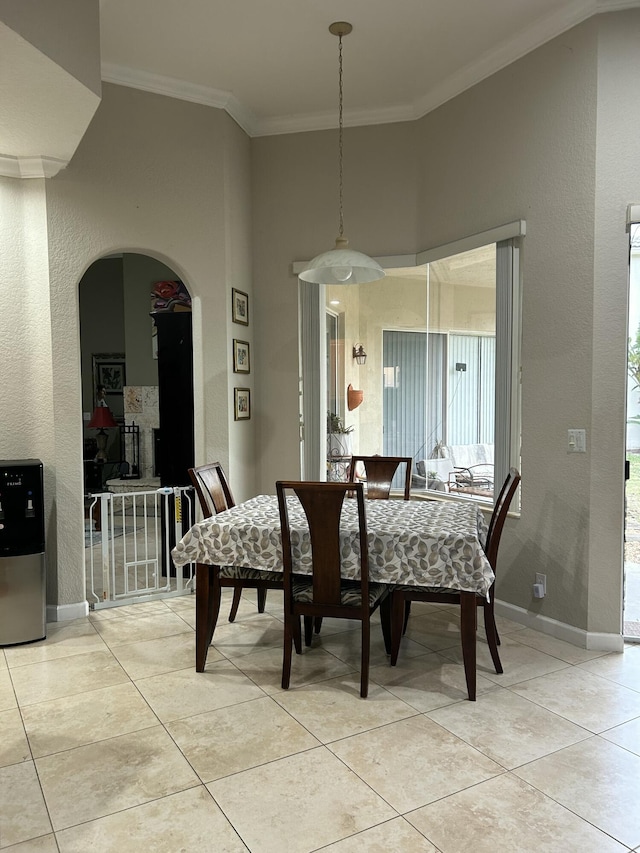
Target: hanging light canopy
341, 265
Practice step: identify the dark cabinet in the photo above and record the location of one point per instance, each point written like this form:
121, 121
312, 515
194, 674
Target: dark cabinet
175, 397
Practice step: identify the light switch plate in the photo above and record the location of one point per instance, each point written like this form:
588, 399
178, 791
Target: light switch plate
577, 441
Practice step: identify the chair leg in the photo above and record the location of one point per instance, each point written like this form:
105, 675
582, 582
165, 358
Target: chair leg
215, 598
397, 620
468, 636
492, 636
317, 624
207, 608
297, 635
407, 613
289, 631
237, 595
364, 660
262, 599
385, 622
308, 630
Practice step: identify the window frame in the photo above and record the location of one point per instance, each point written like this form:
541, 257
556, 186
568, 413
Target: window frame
507, 238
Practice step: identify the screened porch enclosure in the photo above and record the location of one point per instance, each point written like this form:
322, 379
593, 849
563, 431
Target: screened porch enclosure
438, 389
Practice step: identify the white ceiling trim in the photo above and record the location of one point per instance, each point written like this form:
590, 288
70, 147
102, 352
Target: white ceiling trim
491, 62
30, 167
329, 120
183, 90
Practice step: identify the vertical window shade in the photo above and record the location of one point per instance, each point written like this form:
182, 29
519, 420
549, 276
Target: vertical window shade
404, 392
471, 389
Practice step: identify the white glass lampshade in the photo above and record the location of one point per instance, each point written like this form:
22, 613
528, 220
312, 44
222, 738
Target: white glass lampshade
342, 265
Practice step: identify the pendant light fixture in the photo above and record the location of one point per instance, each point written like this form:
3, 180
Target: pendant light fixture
341, 265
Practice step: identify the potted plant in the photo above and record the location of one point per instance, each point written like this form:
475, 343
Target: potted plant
338, 436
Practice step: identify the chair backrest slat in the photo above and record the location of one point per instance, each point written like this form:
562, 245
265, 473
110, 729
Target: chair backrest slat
212, 488
380, 471
322, 504
499, 515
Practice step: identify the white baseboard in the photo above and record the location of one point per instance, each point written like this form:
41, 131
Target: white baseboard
560, 630
65, 612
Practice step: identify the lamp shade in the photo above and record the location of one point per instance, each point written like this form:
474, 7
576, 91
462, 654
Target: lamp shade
102, 418
342, 265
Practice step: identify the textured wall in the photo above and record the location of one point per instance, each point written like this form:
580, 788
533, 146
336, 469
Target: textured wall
26, 391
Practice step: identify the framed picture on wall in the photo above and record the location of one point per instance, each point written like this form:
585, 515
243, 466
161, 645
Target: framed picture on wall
239, 307
241, 404
241, 362
108, 374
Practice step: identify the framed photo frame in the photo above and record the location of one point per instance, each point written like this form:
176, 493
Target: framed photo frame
109, 372
241, 404
241, 357
239, 307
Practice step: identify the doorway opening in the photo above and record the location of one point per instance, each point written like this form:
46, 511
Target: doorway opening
138, 426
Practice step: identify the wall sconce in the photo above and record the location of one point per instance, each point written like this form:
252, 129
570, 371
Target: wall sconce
359, 354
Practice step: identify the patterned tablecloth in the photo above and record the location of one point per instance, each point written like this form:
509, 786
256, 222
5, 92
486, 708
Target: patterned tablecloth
426, 543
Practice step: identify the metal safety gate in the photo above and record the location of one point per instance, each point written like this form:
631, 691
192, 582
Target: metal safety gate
128, 542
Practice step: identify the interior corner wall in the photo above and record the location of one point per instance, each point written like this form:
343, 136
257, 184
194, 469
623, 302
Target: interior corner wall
519, 145
239, 439
147, 177
139, 275
617, 185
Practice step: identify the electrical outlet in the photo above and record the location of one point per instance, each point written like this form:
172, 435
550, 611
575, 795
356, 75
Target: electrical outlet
542, 580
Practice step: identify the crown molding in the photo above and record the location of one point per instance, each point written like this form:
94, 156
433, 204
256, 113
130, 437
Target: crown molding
30, 167
533, 37
329, 120
181, 89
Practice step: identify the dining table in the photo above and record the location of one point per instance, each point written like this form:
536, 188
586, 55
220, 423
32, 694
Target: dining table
415, 543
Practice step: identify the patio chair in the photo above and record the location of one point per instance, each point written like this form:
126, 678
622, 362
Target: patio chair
379, 472
325, 592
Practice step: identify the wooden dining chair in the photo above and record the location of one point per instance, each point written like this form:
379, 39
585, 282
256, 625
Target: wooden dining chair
379, 472
468, 601
214, 494
325, 592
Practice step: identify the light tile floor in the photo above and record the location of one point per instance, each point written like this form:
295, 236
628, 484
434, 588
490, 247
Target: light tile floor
110, 741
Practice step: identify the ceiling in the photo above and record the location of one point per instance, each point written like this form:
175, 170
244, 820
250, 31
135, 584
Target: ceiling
273, 65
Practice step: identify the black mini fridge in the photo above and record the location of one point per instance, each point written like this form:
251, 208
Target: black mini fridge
22, 564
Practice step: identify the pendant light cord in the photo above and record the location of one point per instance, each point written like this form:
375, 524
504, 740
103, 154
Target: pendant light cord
341, 219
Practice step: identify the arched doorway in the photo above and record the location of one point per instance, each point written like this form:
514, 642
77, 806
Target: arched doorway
119, 360
137, 402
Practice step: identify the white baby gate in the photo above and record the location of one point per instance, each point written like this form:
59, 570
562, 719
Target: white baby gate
128, 542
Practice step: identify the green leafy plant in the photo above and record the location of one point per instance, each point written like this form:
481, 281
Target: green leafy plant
336, 425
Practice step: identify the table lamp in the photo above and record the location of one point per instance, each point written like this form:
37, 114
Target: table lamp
101, 419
